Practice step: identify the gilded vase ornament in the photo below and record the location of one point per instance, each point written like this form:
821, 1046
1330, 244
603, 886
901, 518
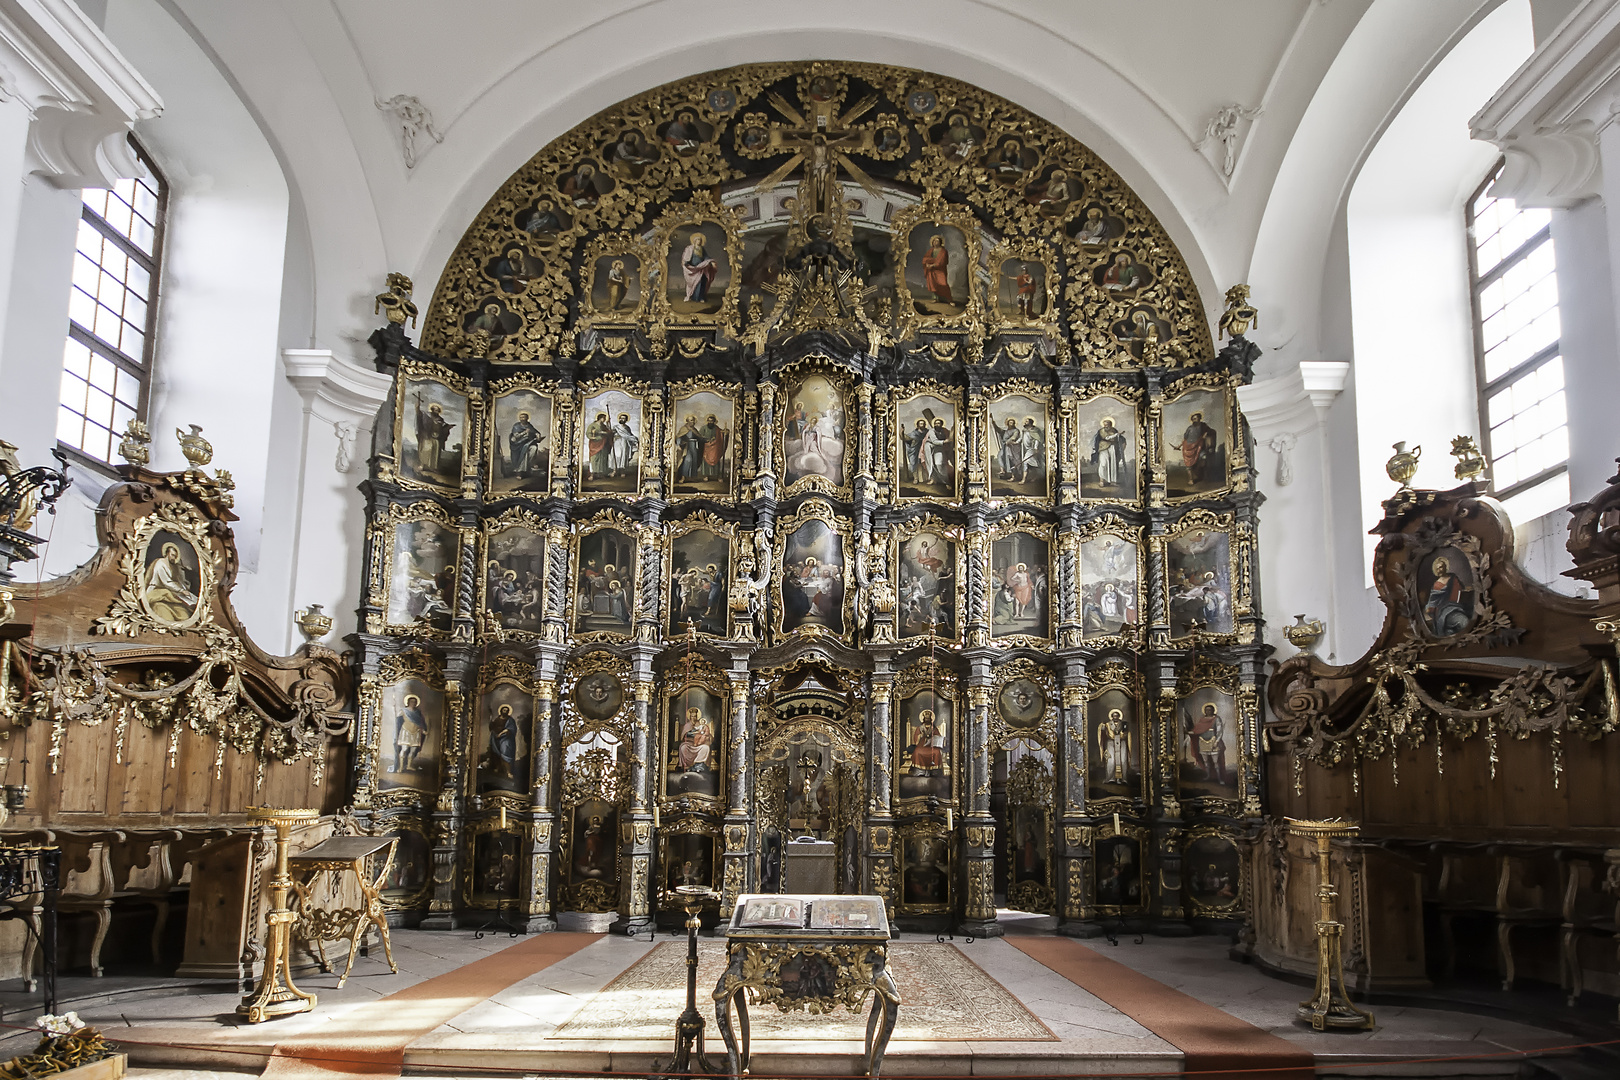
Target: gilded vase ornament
1402, 465
135, 446
1239, 314
198, 450
1305, 633
396, 301
313, 622
1470, 461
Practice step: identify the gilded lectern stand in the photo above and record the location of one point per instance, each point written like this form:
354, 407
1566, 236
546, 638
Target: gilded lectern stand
1329, 1007
276, 995
689, 1057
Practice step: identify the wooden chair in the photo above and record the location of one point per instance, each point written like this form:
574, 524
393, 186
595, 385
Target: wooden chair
1468, 885
143, 873
1588, 911
1529, 893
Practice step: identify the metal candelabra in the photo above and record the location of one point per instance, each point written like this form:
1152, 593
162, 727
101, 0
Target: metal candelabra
689, 1057
1329, 1007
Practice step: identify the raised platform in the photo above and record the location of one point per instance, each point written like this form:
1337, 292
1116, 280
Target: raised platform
573, 1004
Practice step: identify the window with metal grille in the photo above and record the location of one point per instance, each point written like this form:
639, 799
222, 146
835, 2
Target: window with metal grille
1516, 346
107, 361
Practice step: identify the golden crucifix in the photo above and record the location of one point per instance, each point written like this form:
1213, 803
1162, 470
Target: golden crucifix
820, 139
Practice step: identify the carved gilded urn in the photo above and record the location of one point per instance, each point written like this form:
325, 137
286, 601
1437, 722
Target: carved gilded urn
1305, 633
198, 450
313, 622
1402, 465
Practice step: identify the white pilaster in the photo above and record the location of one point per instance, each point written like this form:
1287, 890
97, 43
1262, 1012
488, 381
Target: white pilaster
341, 399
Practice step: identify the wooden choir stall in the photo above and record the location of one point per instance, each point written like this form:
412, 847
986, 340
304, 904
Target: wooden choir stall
1475, 744
140, 721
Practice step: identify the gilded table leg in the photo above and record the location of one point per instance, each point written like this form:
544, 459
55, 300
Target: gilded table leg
885, 1012
374, 904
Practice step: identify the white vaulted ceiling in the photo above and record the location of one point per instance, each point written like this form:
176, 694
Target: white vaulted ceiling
1136, 81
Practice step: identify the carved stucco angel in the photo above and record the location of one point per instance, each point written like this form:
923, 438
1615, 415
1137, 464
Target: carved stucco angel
748, 589
874, 594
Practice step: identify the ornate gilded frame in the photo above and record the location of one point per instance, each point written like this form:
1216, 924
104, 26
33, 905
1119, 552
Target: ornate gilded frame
1044, 731
595, 774
1238, 903
605, 246
501, 388
1144, 848
509, 671
679, 392
1131, 635
1032, 782
1234, 458
935, 830
1130, 399
388, 823
687, 825
1431, 537
953, 396
794, 374
1115, 674
701, 209
909, 529
417, 664
607, 519
816, 510
413, 371
1039, 393
1022, 523
700, 521
1201, 520
131, 615
1228, 679
694, 671
935, 210
927, 675
1025, 250
640, 394
402, 514
516, 517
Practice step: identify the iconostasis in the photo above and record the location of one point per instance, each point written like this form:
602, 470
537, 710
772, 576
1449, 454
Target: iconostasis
822, 450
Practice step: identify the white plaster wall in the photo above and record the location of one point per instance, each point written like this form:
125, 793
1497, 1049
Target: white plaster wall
216, 343
1408, 251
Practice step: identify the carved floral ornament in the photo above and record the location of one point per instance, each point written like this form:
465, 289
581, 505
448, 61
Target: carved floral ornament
1440, 591
739, 157
171, 572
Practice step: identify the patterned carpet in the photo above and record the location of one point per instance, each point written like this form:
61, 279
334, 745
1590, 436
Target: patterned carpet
944, 997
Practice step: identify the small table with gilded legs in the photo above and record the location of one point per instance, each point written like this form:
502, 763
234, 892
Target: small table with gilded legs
808, 952
337, 855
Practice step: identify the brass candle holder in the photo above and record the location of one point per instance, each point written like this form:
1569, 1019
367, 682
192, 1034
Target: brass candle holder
1329, 1007
689, 1057
276, 995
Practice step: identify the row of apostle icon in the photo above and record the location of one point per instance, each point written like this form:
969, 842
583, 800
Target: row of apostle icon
703, 447
813, 575
924, 742
702, 270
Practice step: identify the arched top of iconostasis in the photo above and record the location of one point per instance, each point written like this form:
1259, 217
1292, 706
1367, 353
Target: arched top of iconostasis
732, 153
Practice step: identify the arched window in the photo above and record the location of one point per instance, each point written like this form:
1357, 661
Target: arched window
1523, 419
107, 362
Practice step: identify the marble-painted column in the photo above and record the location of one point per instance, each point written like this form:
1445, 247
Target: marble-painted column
1075, 887
448, 814
740, 836
635, 834
539, 907
882, 873
978, 846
